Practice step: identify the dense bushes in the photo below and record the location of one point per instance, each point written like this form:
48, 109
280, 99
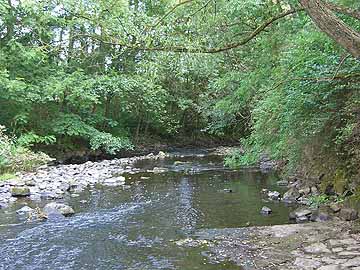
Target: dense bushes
14, 157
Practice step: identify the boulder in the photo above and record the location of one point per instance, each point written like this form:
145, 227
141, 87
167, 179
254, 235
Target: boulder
274, 195
302, 219
348, 214
291, 195
20, 191
321, 214
55, 208
301, 215
266, 210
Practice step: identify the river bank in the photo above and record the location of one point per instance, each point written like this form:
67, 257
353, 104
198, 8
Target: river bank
319, 245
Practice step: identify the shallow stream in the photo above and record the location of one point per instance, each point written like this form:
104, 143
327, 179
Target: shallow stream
138, 226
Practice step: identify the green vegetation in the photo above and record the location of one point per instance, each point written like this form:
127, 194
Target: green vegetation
15, 157
7, 176
316, 201
111, 75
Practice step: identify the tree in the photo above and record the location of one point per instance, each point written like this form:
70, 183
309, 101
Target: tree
322, 15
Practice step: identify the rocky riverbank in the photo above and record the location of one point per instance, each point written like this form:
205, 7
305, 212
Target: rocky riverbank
321, 246
314, 206
54, 182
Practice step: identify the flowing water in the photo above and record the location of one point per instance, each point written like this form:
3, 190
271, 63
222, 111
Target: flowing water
137, 227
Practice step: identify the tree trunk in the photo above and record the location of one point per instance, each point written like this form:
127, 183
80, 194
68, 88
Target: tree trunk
334, 27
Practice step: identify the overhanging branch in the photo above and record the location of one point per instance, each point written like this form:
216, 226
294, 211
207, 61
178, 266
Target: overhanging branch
227, 47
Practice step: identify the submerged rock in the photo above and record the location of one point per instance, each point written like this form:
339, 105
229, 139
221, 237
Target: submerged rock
282, 183
115, 181
54, 208
25, 210
266, 210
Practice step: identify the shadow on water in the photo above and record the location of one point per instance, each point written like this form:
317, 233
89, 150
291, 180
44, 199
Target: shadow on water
137, 228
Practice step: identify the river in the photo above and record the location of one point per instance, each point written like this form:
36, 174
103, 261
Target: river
139, 226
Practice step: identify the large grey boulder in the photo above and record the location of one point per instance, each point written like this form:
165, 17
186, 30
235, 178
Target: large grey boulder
54, 208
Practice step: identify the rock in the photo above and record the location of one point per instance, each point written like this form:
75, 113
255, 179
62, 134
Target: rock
340, 242
332, 267
20, 191
314, 190
301, 212
291, 195
353, 262
150, 156
335, 207
61, 208
266, 210
320, 215
228, 190
30, 183
307, 264
349, 254
317, 248
161, 155
48, 195
305, 191
303, 200
274, 195
64, 186
25, 210
302, 219
115, 181
282, 183
159, 170
348, 214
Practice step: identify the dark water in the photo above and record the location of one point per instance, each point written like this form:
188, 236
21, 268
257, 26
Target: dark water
137, 228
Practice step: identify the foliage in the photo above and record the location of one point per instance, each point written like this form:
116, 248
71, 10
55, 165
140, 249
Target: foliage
17, 158
316, 201
105, 75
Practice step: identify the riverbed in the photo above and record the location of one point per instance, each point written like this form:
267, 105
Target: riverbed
143, 223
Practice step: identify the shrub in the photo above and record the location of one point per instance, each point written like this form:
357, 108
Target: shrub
15, 158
